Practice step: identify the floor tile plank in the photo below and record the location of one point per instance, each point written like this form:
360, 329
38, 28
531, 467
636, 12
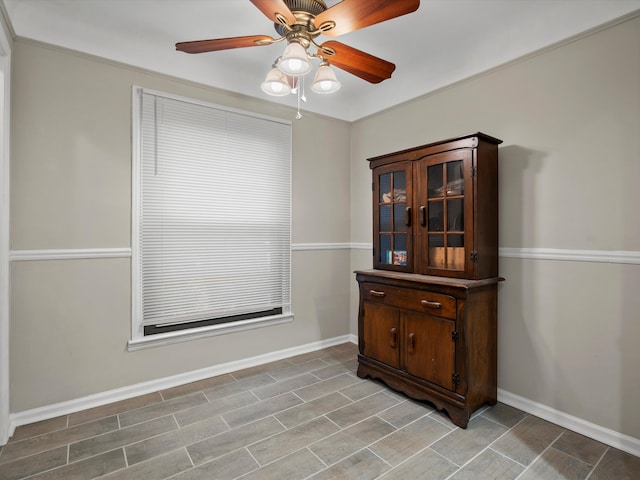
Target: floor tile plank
120, 438
423, 465
617, 465
527, 439
310, 410
298, 465
282, 444
409, 440
114, 408
90, 468
162, 409
156, 468
227, 442
363, 465
37, 463
489, 464
174, 439
228, 467
460, 446
347, 442
556, 465
47, 441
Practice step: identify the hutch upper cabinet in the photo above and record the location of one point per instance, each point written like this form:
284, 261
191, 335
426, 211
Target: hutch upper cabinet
427, 320
436, 208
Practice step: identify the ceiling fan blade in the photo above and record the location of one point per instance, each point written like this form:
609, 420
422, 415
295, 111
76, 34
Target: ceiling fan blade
358, 63
350, 15
201, 46
272, 7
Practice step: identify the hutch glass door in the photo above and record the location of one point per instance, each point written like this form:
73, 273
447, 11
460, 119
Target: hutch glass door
392, 218
448, 213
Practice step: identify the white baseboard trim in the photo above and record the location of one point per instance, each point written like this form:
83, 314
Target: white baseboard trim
605, 435
103, 398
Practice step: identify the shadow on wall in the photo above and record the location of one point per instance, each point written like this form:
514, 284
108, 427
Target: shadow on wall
517, 346
522, 356
628, 346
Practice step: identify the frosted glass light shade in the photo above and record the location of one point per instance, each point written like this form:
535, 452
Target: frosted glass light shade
276, 84
325, 81
294, 60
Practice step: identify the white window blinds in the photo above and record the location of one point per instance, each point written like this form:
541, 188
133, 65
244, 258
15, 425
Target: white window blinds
215, 207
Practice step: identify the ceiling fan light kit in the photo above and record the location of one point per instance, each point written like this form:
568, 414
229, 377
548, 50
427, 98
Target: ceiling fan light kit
294, 60
299, 22
325, 81
276, 83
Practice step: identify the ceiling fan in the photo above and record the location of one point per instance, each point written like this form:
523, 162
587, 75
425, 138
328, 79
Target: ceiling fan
299, 22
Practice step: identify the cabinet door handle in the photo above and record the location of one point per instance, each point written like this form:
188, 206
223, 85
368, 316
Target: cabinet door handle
376, 293
412, 342
423, 216
407, 216
427, 303
393, 337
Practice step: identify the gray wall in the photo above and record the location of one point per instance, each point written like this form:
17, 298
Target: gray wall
71, 189
569, 171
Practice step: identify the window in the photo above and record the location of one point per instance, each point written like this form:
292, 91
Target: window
211, 232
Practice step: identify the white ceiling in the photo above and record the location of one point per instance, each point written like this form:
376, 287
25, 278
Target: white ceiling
444, 41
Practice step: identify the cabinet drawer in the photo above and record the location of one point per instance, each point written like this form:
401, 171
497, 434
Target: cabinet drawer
418, 300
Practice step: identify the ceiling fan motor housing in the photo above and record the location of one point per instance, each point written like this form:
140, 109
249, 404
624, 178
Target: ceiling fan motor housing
303, 10
314, 7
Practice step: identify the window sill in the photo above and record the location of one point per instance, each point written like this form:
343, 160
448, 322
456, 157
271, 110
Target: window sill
169, 338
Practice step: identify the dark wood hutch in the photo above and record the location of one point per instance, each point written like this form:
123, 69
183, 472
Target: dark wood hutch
427, 320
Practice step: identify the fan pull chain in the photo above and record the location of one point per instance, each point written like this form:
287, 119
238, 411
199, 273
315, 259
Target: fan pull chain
301, 96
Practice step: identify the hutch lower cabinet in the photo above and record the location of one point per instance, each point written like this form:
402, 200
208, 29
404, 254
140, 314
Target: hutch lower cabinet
432, 338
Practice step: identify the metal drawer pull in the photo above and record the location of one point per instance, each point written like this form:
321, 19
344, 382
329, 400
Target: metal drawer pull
427, 303
393, 337
412, 342
376, 293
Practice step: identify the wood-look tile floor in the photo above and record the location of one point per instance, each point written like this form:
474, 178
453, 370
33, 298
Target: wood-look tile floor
306, 417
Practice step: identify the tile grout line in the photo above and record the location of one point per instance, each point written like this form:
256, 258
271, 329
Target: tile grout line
598, 462
124, 455
489, 447
253, 457
314, 454
422, 450
509, 429
539, 456
386, 462
573, 456
175, 475
498, 452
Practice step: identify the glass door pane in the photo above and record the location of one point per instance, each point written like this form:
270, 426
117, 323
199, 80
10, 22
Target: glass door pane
394, 218
445, 207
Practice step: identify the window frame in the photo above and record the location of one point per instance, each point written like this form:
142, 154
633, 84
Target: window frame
138, 339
